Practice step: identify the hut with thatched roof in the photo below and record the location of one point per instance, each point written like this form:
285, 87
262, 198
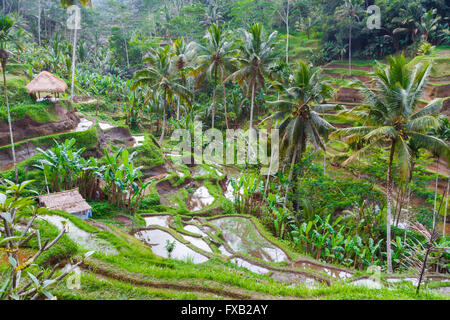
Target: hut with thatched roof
45, 82
69, 201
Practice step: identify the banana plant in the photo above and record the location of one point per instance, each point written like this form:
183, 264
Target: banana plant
244, 191
124, 186
279, 219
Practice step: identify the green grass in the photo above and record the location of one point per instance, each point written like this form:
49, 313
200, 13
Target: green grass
94, 288
149, 154
26, 170
299, 46
440, 64
40, 112
136, 261
87, 139
17, 94
344, 71
355, 62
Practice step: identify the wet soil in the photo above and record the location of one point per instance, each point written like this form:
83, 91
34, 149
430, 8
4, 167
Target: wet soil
165, 187
349, 95
119, 136
126, 221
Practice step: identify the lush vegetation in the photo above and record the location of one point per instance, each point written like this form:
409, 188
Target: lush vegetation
363, 153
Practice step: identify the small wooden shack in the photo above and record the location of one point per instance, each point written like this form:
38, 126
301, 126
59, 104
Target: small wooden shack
46, 83
69, 201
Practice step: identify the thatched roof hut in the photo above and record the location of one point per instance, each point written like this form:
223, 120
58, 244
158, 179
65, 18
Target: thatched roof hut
69, 201
46, 82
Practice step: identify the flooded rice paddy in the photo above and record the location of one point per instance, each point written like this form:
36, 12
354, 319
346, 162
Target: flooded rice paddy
157, 240
241, 235
85, 239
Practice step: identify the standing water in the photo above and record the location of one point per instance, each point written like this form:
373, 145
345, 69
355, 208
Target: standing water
242, 236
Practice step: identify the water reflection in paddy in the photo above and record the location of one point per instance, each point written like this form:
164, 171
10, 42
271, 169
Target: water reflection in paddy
162, 221
198, 242
335, 273
241, 236
157, 239
200, 199
247, 265
194, 229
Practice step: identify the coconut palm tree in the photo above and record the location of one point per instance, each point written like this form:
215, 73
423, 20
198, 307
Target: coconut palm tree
443, 133
306, 25
216, 56
39, 23
256, 55
429, 23
183, 54
67, 4
10, 35
349, 10
161, 76
299, 112
212, 15
391, 117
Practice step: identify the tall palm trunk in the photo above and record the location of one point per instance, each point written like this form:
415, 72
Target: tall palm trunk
268, 174
436, 192
74, 56
388, 209
39, 22
350, 47
4, 59
126, 53
287, 32
164, 118
214, 98
445, 214
225, 100
291, 173
183, 81
251, 120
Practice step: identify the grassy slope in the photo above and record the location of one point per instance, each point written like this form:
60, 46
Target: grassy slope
20, 102
111, 277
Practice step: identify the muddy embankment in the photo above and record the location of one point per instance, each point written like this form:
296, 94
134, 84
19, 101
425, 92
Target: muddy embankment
442, 91
28, 128
118, 136
349, 95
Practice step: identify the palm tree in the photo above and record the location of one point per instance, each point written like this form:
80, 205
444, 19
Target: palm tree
39, 22
429, 23
216, 56
307, 25
284, 12
391, 117
183, 55
161, 76
212, 15
349, 11
256, 54
299, 111
442, 132
67, 4
10, 34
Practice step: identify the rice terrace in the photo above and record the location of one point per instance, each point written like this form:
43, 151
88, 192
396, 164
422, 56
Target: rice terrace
224, 150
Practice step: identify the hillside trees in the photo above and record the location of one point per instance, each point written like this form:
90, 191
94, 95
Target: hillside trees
392, 117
